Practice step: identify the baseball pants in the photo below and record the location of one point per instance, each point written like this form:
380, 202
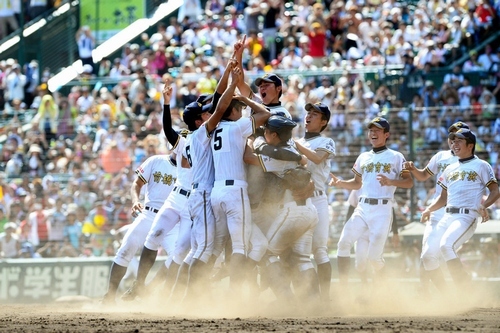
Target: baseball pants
431, 254
321, 232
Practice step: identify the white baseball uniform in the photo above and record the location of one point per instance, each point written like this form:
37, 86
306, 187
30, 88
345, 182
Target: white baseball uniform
466, 182
174, 210
374, 211
200, 158
294, 226
158, 174
436, 166
230, 201
320, 173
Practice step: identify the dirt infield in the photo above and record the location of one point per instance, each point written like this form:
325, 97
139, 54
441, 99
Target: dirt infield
80, 315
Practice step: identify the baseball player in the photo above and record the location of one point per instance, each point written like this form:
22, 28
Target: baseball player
158, 173
229, 196
464, 184
319, 150
174, 210
294, 226
430, 256
377, 173
200, 159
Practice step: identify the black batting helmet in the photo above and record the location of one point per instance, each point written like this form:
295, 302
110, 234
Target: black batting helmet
281, 125
192, 112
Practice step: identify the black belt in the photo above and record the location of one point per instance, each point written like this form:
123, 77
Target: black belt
453, 210
151, 209
181, 191
318, 193
374, 201
229, 182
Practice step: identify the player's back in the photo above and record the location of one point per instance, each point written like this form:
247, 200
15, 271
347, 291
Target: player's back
228, 146
200, 157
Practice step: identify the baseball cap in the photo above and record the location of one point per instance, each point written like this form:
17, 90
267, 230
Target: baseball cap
281, 125
192, 112
203, 98
456, 126
271, 78
464, 133
381, 123
10, 225
320, 107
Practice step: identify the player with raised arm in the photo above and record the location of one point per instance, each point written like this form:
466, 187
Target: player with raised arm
174, 210
229, 195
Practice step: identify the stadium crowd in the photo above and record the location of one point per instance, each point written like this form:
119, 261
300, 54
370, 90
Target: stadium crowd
69, 158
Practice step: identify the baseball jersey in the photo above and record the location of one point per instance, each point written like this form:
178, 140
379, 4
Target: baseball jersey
466, 182
437, 164
278, 167
369, 164
199, 156
160, 174
184, 175
319, 172
228, 143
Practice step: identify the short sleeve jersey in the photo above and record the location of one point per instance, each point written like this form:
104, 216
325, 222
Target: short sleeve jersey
159, 174
184, 175
466, 182
199, 156
228, 144
319, 172
370, 164
437, 164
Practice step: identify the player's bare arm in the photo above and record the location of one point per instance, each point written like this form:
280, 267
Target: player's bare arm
490, 200
249, 157
239, 47
435, 205
222, 85
135, 191
406, 181
351, 184
316, 157
420, 174
224, 101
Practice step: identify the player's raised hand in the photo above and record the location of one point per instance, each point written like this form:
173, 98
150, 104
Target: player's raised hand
334, 181
231, 63
236, 74
239, 46
484, 213
409, 165
167, 94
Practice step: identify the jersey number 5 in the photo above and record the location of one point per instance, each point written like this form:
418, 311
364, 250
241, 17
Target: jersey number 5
218, 139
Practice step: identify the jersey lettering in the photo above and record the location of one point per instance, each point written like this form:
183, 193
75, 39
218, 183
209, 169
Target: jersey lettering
218, 139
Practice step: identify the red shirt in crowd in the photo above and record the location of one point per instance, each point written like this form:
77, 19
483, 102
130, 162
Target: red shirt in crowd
317, 42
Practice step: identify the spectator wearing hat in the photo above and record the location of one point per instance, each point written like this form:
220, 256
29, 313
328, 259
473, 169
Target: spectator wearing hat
10, 246
47, 117
317, 42
35, 163
472, 64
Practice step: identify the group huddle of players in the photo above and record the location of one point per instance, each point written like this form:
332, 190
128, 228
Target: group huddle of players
240, 190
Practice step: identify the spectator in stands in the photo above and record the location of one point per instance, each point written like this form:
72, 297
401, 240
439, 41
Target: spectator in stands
7, 19
86, 45
488, 58
47, 117
472, 64
14, 84
10, 246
